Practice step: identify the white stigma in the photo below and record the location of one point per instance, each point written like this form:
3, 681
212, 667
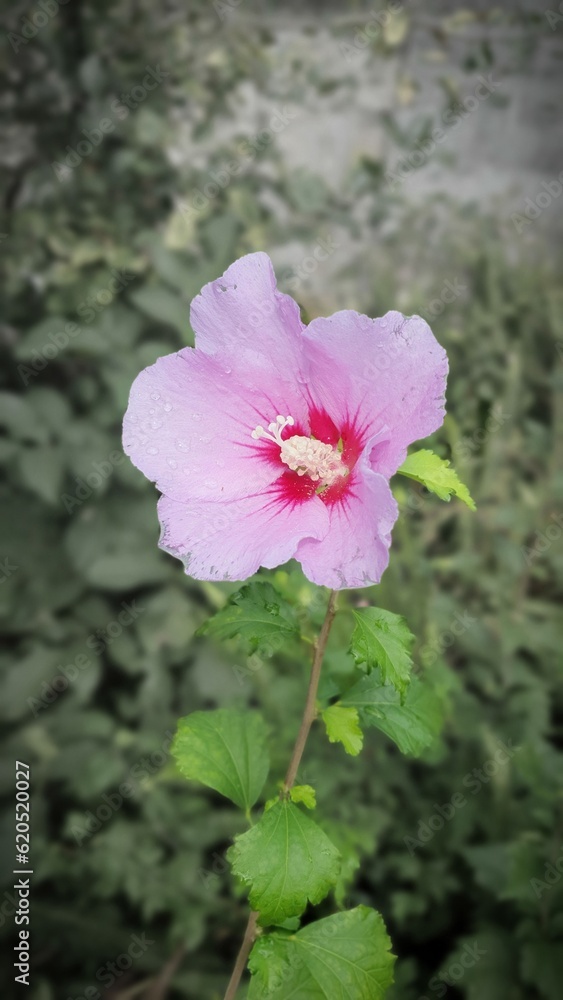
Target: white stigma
304, 455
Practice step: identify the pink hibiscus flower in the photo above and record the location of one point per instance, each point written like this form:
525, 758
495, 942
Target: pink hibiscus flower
272, 440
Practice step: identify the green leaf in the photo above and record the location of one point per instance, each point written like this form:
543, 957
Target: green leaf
343, 957
270, 966
382, 639
41, 470
343, 726
435, 473
109, 543
259, 615
305, 794
412, 725
225, 750
39, 336
287, 860
542, 967
18, 418
53, 410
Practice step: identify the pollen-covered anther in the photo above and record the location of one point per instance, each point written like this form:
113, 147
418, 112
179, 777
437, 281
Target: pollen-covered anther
316, 459
304, 455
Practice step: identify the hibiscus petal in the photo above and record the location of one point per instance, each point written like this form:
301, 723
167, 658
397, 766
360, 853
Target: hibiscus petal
355, 550
244, 318
384, 376
231, 540
189, 423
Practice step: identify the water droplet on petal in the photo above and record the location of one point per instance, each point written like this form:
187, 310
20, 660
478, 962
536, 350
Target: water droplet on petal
155, 395
167, 407
182, 445
172, 463
151, 450
196, 416
155, 424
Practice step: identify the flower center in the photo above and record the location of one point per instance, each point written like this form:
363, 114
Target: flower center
304, 455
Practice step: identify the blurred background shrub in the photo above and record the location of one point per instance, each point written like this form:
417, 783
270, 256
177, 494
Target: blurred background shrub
144, 148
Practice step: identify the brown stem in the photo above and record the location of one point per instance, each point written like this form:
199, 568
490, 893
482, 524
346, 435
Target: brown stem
309, 714
310, 710
242, 957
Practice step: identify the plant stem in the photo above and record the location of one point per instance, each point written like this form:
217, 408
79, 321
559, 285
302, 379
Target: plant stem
309, 714
310, 710
242, 957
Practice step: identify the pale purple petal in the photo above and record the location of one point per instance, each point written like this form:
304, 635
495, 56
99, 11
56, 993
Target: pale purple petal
189, 423
244, 318
355, 551
231, 540
387, 376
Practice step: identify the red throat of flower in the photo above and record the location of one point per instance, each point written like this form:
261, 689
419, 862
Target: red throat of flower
314, 465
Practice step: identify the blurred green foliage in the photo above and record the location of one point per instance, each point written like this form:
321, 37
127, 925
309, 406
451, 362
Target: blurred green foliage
100, 656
